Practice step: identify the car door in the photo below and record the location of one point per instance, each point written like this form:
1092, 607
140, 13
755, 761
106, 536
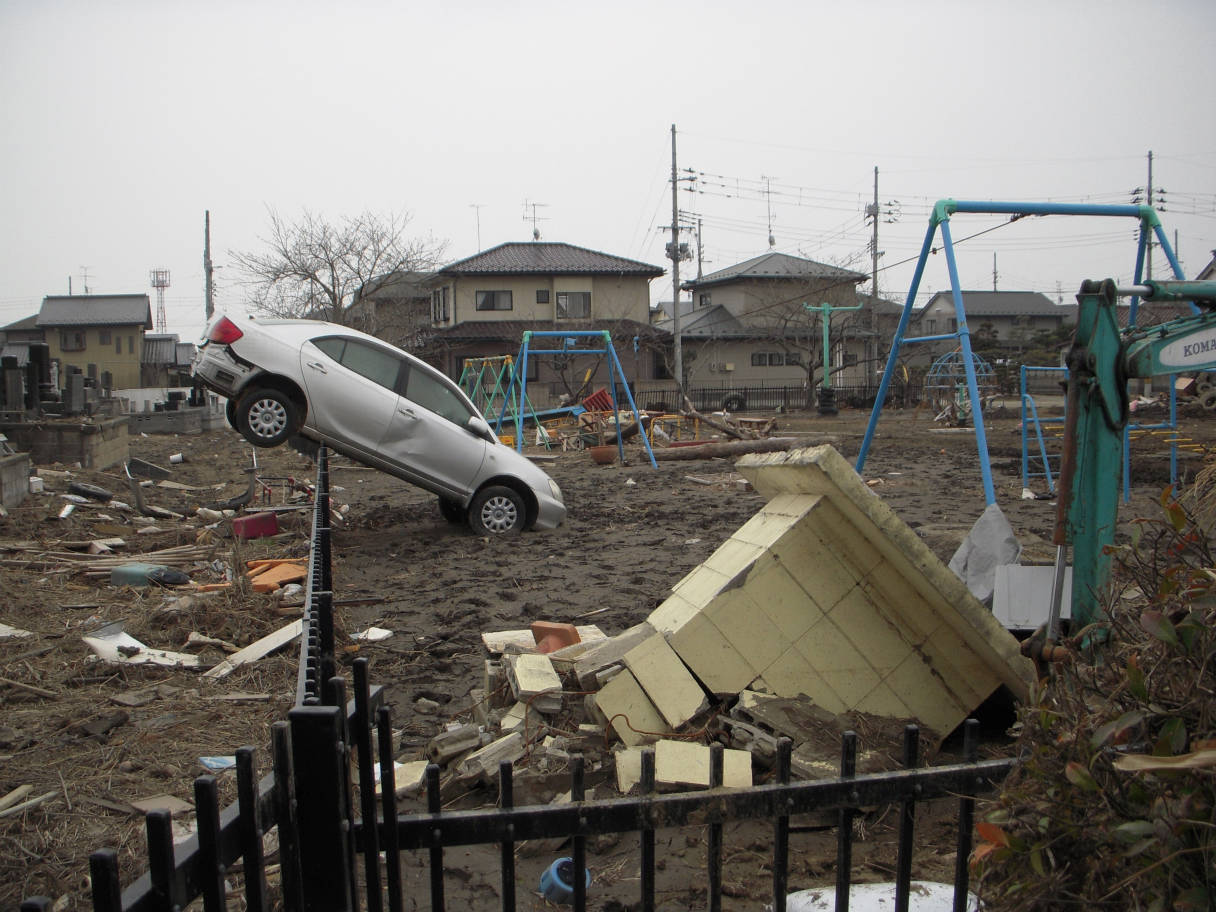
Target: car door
428, 432
352, 390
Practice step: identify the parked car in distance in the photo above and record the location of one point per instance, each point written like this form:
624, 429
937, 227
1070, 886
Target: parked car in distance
378, 405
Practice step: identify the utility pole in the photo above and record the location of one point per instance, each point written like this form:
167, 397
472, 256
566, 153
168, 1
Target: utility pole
872, 354
994, 270
1149, 199
208, 286
701, 248
674, 251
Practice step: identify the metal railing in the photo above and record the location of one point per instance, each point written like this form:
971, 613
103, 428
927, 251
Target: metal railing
332, 832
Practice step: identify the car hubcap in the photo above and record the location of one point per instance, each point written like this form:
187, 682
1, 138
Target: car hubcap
267, 417
498, 514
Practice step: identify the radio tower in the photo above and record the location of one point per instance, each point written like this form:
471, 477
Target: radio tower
160, 281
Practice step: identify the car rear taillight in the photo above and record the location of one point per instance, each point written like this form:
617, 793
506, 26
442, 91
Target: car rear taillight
224, 331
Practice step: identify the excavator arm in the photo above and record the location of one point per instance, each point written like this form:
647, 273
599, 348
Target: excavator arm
1101, 362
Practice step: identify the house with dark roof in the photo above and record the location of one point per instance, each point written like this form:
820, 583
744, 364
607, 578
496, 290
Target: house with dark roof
395, 307
482, 305
100, 335
1006, 319
166, 361
746, 324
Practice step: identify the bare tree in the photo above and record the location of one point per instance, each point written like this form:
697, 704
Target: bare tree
313, 267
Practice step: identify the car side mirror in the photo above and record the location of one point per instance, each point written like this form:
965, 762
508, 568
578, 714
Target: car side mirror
479, 427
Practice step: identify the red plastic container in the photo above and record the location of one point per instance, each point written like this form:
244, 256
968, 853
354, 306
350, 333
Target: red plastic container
255, 525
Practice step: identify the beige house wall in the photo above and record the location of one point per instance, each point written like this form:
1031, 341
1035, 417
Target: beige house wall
611, 298
728, 362
123, 367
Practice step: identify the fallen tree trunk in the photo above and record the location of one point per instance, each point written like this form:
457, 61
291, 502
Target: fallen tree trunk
727, 429
728, 448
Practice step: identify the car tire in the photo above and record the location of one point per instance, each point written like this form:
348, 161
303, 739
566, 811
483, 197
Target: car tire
230, 413
733, 404
497, 510
451, 511
267, 417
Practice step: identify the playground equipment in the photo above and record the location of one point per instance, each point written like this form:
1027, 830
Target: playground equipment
569, 347
946, 385
1150, 226
485, 382
1101, 361
827, 395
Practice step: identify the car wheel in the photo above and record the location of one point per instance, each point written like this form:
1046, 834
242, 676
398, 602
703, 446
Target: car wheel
497, 510
266, 417
451, 511
733, 404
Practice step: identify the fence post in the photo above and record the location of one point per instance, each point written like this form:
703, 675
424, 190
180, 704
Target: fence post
322, 809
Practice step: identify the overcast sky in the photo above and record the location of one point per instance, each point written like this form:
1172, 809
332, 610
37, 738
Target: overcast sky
125, 121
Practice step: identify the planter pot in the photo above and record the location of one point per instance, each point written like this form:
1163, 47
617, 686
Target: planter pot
603, 454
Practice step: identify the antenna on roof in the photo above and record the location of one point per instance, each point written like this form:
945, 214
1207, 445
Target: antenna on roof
533, 218
768, 202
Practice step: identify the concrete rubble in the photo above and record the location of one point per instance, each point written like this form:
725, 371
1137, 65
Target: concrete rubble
821, 612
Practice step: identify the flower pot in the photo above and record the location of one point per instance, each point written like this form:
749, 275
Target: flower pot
603, 454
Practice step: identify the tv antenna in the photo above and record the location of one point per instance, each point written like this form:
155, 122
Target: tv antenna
768, 202
534, 218
160, 281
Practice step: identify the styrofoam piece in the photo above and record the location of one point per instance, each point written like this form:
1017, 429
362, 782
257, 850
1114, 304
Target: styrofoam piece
1021, 598
923, 896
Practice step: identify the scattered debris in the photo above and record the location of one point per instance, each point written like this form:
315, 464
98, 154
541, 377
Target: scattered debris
112, 645
256, 650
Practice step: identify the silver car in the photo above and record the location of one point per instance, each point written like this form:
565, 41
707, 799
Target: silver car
378, 405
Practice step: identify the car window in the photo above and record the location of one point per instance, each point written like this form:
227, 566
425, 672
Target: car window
431, 393
368, 361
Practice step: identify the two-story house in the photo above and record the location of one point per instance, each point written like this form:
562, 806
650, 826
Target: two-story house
482, 305
1005, 320
746, 324
101, 335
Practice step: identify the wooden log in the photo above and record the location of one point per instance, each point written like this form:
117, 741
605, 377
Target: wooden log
727, 448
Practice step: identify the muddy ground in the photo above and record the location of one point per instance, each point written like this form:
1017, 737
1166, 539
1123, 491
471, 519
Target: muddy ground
68, 728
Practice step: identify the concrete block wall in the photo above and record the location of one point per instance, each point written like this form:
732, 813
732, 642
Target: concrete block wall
99, 444
825, 593
14, 479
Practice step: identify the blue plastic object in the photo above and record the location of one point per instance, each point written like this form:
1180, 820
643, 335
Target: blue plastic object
557, 883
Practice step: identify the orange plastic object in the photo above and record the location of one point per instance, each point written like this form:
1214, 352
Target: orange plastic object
551, 636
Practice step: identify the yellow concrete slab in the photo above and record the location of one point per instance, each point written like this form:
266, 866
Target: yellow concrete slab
790, 607
844, 667
715, 662
792, 676
672, 614
870, 633
822, 471
667, 682
747, 628
626, 708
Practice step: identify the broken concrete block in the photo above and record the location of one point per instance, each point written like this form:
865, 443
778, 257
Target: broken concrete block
494, 683
608, 652
449, 744
712, 658
523, 719
628, 763
498, 642
624, 706
685, 763
666, 680
551, 636
534, 681
483, 763
146, 469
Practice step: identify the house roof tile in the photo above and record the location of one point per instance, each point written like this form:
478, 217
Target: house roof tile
1006, 304
546, 258
96, 310
775, 266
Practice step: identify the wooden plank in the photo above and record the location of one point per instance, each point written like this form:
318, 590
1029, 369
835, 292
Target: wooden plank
256, 650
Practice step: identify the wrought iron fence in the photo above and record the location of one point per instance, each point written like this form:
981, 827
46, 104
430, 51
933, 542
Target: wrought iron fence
758, 397
332, 833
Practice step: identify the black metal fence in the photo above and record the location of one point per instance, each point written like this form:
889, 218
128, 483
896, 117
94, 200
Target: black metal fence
332, 834
746, 398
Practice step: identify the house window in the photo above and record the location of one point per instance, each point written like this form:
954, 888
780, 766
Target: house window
542, 296
850, 358
573, 305
493, 300
71, 341
953, 325
439, 305
103, 336
130, 345
793, 358
118, 345
932, 327
703, 299
767, 359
